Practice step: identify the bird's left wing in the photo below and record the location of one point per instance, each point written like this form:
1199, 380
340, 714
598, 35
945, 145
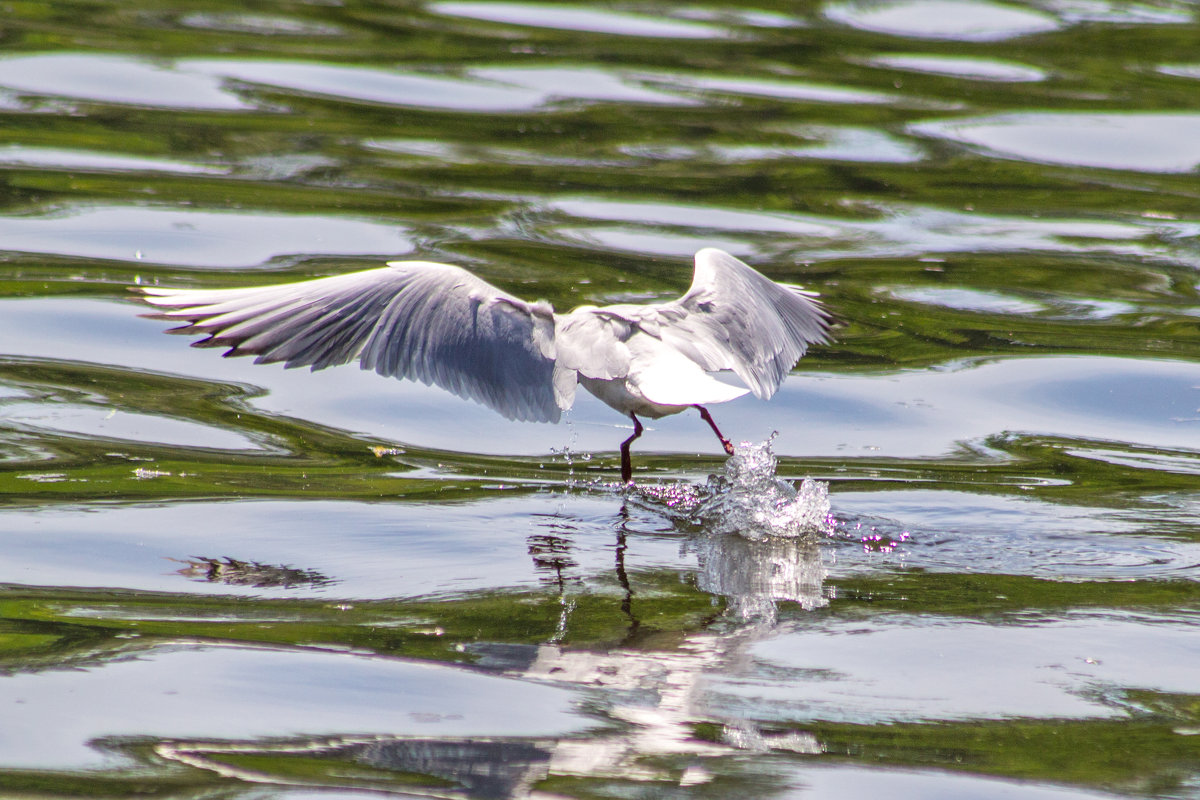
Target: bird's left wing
431, 322
735, 318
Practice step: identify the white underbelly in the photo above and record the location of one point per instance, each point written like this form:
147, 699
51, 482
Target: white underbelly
618, 394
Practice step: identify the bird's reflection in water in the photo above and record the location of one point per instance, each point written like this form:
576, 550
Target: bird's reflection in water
484, 769
661, 695
657, 692
754, 575
658, 695
551, 554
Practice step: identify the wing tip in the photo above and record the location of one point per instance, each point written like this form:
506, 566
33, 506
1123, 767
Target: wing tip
713, 252
711, 258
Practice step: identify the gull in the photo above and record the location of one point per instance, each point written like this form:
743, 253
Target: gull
440, 324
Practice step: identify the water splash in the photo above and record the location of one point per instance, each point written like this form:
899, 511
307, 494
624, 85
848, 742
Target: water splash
568, 453
748, 499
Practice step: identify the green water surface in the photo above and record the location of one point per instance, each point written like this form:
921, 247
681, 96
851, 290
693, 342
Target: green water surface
225, 580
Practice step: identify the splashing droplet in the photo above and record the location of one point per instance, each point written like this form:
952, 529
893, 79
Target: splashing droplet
750, 500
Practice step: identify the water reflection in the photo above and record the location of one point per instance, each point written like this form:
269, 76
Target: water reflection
754, 575
961, 20
479, 768
21, 156
892, 231
551, 554
989, 302
976, 69
194, 238
245, 692
1122, 13
108, 78
580, 18
1067, 666
233, 572
109, 422
779, 90
493, 90
204, 84
1142, 142
657, 694
969, 300
860, 145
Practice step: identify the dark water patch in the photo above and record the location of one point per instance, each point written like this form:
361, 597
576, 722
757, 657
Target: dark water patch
257, 24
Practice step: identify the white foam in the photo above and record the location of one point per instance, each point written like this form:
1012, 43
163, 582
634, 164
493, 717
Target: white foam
748, 499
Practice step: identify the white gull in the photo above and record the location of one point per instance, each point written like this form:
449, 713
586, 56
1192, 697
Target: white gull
440, 324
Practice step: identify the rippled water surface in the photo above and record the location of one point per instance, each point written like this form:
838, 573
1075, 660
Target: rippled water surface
958, 554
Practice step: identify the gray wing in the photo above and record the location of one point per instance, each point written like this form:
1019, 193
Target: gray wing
430, 322
735, 318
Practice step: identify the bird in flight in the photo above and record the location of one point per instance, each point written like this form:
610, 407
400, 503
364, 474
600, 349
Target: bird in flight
439, 324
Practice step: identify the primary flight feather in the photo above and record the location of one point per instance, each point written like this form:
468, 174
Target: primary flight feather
439, 324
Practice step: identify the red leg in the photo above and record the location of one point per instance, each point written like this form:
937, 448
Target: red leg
626, 465
708, 418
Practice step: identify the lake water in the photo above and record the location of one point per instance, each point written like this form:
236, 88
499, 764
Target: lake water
226, 580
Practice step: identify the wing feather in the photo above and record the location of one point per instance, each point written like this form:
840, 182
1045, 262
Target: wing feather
733, 317
434, 323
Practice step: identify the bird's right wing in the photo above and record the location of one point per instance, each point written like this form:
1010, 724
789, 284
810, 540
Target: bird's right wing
435, 323
735, 318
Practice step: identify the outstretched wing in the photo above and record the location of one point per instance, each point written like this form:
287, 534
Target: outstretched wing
735, 318
434, 323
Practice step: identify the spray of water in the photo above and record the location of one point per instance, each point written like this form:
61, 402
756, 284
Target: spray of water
748, 499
